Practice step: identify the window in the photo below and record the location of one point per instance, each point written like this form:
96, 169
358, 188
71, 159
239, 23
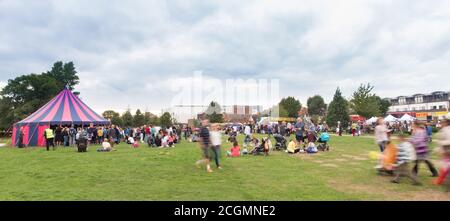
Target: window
419, 99
398, 109
402, 100
413, 108
423, 107
405, 109
438, 96
442, 107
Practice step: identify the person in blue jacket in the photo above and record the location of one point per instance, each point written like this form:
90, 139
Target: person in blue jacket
429, 132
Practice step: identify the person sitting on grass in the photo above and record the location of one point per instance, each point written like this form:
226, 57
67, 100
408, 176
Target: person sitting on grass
106, 146
312, 138
194, 138
255, 142
292, 147
165, 141
405, 154
311, 148
175, 138
130, 140
171, 140
235, 150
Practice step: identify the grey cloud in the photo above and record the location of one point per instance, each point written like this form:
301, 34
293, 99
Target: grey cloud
128, 51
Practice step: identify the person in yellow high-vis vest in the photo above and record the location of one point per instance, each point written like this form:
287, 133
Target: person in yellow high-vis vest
49, 137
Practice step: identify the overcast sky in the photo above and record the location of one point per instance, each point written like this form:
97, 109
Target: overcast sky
126, 52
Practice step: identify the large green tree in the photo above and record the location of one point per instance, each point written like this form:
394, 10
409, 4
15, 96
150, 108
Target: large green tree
316, 106
364, 102
127, 119
338, 110
64, 74
291, 105
113, 116
25, 94
383, 105
149, 118
139, 119
166, 120
214, 113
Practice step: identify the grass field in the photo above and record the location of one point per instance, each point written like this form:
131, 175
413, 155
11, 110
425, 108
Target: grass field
344, 173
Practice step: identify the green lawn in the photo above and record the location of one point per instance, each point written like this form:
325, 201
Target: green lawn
344, 173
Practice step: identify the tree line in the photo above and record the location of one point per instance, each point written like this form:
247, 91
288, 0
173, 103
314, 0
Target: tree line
362, 102
138, 119
25, 94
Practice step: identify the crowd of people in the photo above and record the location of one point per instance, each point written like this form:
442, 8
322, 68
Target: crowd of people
399, 160
309, 138
69, 136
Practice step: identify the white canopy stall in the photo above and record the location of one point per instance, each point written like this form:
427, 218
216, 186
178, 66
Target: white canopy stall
390, 118
407, 118
372, 120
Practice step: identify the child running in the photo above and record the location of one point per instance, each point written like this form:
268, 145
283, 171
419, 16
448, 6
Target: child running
405, 154
420, 142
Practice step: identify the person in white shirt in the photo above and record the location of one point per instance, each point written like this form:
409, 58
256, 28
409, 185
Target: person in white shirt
130, 140
216, 141
381, 134
165, 141
106, 146
247, 130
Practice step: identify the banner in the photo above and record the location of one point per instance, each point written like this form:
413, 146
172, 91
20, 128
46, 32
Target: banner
421, 115
439, 114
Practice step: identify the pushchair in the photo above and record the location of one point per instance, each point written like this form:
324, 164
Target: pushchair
280, 142
151, 141
258, 150
82, 145
323, 142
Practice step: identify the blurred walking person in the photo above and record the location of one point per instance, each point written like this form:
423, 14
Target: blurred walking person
216, 141
205, 143
444, 148
420, 141
381, 134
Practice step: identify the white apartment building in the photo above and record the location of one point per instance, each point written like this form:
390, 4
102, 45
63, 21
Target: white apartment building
436, 101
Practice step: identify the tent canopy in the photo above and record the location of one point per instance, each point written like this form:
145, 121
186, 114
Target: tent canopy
64, 109
407, 117
390, 118
372, 120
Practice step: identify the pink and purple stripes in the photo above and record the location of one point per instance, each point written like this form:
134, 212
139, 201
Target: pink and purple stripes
65, 108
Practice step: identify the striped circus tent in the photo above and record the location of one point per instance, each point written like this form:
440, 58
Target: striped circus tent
64, 109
